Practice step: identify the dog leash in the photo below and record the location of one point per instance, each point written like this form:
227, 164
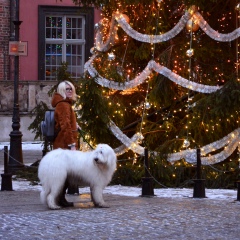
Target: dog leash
84, 139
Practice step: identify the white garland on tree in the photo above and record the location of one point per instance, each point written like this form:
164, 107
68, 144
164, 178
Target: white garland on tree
228, 37
121, 19
152, 65
229, 143
112, 36
128, 143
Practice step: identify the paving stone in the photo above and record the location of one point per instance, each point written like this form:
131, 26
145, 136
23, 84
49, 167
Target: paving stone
23, 217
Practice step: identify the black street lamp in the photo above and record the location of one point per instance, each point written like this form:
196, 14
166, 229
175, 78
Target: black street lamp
15, 154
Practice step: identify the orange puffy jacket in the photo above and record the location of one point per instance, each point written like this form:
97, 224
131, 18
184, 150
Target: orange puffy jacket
66, 123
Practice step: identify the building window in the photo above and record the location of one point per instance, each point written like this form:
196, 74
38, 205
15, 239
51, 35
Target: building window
65, 42
68, 37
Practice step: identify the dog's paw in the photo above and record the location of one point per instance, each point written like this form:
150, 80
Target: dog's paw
55, 207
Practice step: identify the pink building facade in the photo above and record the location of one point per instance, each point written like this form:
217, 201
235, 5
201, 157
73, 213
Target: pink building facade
44, 23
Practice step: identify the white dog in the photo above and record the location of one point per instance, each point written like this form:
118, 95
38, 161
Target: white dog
94, 168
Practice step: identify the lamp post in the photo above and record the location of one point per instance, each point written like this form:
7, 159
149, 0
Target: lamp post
15, 154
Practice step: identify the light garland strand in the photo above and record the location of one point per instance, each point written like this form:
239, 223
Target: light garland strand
122, 22
228, 37
99, 44
229, 142
152, 38
152, 65
129, 143
136, 138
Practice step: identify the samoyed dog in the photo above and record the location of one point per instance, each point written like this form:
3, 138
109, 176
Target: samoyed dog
94, 168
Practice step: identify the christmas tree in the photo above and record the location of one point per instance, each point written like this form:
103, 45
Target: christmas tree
164, 76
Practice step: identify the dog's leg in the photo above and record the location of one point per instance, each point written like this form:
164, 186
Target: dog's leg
97, 197
62, 199
51, 202
53, 197
43, 196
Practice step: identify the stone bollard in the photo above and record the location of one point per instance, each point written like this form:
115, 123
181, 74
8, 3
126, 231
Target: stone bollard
6, 176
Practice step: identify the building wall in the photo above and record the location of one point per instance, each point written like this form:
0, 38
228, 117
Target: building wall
30, 94
4, 38
31, 90
6, 127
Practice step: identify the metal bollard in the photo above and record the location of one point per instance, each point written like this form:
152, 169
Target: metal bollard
5, 159
6, 176
199, 183
238, 190
147, 181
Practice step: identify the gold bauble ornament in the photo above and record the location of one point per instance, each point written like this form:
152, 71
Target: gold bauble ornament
192, 25
193, 9
126, 18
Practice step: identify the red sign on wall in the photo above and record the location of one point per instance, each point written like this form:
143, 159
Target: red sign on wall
18, 48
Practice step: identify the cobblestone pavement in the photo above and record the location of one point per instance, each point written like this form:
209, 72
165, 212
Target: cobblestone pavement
22, 216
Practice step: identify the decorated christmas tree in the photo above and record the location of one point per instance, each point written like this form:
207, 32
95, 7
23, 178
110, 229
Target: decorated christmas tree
164, 76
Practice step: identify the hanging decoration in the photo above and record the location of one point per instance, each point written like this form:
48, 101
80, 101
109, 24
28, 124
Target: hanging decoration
237, 8
229, 143
221, 37
192, 25
111, 56
196, 17
186, 143
152, 65
147, 105
112, 36
190, 52
132, 143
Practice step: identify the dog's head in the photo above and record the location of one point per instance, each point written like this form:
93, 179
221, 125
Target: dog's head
104, 154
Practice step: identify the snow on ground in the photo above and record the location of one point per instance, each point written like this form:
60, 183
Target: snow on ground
37, 145
226, 194
217, 194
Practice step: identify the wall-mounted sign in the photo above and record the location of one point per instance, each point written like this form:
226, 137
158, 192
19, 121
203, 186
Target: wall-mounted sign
18, 48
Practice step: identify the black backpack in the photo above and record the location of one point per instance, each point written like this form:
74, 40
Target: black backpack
48, 126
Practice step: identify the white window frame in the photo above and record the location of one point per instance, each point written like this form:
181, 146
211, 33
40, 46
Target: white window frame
64, 41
